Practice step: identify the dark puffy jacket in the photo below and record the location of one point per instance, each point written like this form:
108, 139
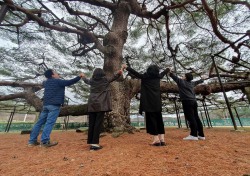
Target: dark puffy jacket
55, 90
100, 94
150, 100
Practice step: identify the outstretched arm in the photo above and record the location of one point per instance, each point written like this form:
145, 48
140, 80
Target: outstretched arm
198, 82
201, 80
71, 81
163, 73
173, 76
85, 79
132, 71
116, 76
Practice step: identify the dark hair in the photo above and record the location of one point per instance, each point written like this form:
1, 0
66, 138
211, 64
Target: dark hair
153, 71
48, 73
98, 73
189, 76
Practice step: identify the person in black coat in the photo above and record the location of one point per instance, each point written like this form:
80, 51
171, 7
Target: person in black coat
189, 104
99, 102
150, 102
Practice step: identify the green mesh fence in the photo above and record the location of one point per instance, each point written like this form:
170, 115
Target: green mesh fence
28, 126
214, 122
59, 126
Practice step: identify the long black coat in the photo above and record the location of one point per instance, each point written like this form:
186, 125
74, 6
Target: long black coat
100, 94
150, 100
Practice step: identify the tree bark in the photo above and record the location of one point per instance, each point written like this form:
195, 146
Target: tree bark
117, 120
3, 12
246, 90
74, 110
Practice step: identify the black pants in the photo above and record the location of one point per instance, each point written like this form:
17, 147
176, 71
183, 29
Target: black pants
154, 123
190, 108
95, 125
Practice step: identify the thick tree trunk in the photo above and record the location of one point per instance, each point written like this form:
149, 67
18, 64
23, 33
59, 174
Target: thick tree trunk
117, 120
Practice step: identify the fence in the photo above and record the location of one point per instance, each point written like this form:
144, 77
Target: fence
214, 122
28, 126
20, 126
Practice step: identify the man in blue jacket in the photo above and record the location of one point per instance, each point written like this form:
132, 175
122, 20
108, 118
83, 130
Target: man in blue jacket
54, 93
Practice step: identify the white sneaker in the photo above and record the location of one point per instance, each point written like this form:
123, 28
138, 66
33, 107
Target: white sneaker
191, 138
201, 138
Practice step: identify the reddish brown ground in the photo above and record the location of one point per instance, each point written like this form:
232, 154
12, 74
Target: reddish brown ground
224, 153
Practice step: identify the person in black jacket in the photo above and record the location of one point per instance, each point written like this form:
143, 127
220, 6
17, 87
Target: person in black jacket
150, 102
99, 102
189, 104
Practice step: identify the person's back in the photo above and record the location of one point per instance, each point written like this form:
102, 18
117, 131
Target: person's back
52, 101
189, 105
99, 85
186, 87
100, 94
53, 92
150, 93
150, 102
99, 102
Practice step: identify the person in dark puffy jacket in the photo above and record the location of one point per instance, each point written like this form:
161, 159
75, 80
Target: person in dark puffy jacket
99, 102
150, 102
189, 104
54, 93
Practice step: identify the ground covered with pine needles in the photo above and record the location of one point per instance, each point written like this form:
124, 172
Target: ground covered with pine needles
225, 152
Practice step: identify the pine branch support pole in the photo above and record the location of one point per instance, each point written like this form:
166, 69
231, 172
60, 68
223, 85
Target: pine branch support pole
177, 114
224, 94
238, 116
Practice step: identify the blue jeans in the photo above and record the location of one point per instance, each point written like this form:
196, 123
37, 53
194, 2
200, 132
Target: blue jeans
47, 118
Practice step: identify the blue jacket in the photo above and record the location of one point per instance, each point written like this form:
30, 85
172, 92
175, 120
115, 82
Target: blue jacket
55, 90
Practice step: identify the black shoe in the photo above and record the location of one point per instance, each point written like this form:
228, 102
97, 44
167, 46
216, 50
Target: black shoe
156, 144
163, 144
49, 144
95, 147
